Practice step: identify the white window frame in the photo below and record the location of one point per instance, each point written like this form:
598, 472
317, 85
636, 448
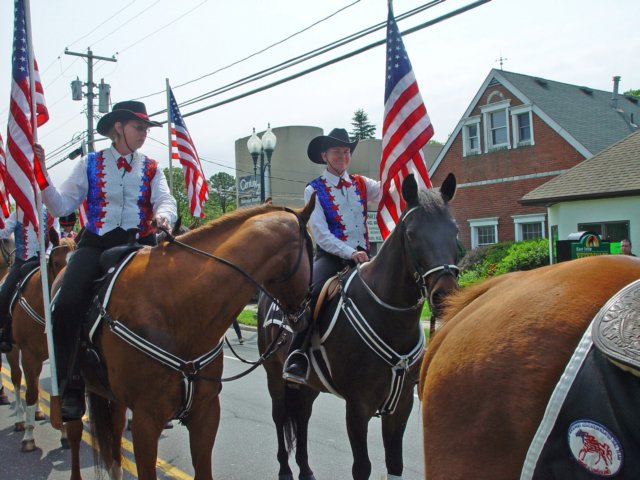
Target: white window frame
486, 111
482, 222
518, 220
466, 149
515, 112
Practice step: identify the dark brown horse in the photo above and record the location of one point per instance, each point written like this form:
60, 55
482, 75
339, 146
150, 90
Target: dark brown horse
371, 335
7, 247
181, 298
30, 342
490, 370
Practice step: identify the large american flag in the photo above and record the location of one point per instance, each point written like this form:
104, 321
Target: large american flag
183, 149
23, 170
5, 210
406, 129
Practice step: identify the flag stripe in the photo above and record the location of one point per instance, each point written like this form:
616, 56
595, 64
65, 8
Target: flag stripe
406, 130
183, 149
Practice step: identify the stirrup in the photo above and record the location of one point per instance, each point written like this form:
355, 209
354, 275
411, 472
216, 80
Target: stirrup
302, 374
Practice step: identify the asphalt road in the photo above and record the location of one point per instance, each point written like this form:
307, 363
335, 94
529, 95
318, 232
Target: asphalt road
245, 446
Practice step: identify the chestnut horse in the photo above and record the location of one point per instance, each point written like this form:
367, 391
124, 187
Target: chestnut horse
30, 342
490, 370
181, 297
416, 261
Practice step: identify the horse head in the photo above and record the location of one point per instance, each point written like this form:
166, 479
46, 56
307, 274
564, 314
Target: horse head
292, 286
59, 255
429, 234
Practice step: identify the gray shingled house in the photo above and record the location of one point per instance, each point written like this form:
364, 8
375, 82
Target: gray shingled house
601, 194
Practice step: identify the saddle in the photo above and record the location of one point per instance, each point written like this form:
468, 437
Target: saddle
329, 291
616, 329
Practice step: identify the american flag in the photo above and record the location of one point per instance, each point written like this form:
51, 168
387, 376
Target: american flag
183, 149
5, 211
23, 170
406, 129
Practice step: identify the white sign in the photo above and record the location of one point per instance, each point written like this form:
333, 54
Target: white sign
374, 231
248, 190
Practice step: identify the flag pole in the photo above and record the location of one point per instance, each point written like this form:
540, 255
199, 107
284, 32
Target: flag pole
169, 136
56, 419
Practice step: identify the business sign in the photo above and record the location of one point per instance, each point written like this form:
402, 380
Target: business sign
248, 190
374, 230
588, 246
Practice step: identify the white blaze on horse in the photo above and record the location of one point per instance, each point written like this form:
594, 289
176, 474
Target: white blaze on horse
368, 340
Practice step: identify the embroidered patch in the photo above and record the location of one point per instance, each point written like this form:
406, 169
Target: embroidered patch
595, 447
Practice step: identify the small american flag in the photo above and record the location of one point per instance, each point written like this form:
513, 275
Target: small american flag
183, 149
5, 210
23, 170
406, 129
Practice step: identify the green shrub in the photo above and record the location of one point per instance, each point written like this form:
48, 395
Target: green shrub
503, 257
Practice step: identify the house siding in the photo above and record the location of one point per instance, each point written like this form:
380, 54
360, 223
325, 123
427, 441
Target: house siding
500, 195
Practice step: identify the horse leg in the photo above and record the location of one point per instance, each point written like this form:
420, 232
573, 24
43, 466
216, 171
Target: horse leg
73, 431
357, 428
16, 379
145, 431
4, 399
393, 427
203, 425
119, 413
303, 414
32, 369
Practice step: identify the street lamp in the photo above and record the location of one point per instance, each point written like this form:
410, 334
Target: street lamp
257, 148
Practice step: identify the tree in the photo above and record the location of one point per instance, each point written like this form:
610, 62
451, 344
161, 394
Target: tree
210, 208
222, 186
362, 128
633, 93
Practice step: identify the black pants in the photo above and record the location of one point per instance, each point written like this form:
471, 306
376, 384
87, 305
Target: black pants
325, 266
10, 285
76, 293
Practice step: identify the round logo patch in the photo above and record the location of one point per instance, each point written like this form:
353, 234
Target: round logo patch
595, 447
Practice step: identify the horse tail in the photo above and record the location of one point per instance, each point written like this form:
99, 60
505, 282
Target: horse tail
102, 430
290, 423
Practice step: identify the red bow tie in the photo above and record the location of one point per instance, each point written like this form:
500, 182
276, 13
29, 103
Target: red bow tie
122, 163
343, 183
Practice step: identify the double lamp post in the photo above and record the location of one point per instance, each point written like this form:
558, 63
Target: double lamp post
258, 148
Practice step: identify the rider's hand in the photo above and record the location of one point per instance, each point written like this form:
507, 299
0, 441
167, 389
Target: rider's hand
162, 222
359, 257
41, 157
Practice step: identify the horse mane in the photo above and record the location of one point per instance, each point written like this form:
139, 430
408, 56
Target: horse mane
229, 220
432, 200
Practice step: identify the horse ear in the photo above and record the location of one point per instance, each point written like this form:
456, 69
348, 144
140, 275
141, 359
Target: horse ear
54, 238
306, 212
410, 190
448, 188
268, 202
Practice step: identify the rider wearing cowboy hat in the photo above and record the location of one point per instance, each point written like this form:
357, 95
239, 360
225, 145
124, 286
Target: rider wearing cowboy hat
338, 224
125, 190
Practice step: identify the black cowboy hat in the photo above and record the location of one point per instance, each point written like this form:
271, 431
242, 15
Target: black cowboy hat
338, 137
68, 220
123, 111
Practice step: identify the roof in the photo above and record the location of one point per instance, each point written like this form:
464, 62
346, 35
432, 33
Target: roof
585, 117
585, 113
614, 172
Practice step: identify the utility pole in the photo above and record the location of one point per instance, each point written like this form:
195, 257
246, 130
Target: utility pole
90, 85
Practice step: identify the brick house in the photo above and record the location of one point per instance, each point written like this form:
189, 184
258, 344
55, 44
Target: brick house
519, 132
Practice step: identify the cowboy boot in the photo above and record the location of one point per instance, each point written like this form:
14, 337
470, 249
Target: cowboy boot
296, 367
72, 385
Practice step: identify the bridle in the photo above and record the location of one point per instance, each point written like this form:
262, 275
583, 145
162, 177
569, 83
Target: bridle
291, 315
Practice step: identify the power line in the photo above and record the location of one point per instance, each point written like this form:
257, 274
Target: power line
335, 60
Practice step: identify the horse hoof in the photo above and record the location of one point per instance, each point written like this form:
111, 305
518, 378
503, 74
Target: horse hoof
18, 427
28, 445
64, 443
40, 416
4, 400
285, 476
308, 476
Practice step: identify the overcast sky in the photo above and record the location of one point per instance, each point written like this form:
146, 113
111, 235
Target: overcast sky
584, 42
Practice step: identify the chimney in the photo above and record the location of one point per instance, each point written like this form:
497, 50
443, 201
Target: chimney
614, 95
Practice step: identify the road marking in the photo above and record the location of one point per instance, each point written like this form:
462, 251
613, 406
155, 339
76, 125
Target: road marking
165, 467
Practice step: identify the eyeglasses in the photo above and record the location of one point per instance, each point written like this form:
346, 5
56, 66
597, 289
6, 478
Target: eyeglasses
141, 128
